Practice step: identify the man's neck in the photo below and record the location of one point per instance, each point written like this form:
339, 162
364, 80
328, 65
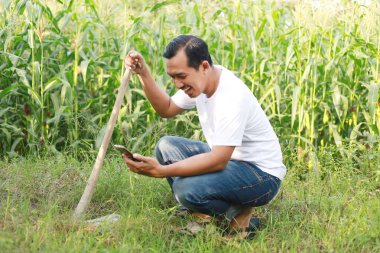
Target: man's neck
213, 81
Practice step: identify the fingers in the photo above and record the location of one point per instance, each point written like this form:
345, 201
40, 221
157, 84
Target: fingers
147, 166
134, 166
130, 165
141, 158
134, 61
131, 162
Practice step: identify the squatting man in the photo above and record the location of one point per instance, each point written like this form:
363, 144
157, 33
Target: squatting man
240, 166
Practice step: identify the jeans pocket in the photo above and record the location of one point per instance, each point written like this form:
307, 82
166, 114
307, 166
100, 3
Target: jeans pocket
254, 170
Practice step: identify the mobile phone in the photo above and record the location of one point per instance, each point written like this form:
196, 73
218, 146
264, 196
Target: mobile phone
124, 150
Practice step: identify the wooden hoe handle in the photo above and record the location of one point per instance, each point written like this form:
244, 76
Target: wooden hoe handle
89, 190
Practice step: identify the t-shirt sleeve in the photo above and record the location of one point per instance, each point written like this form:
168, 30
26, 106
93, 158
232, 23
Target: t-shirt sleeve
230, 121
182, 100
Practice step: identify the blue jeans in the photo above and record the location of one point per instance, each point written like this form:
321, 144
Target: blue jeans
240, 184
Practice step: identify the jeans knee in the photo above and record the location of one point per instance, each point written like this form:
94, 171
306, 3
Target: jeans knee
188, 199
164, 143
186, 194
168, 151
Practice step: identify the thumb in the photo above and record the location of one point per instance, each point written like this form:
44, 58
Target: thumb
141, 158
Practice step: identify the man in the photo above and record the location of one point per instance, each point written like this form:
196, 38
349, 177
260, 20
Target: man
240, 166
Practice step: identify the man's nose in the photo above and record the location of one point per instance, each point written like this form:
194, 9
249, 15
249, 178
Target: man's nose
178, 83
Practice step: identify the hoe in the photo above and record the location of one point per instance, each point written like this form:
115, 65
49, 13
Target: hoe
89, 190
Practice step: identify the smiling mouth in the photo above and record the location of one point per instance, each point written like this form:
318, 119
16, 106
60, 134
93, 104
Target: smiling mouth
186, 89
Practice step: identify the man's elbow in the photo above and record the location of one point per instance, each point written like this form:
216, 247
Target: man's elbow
221, 165
167, 113
164, 115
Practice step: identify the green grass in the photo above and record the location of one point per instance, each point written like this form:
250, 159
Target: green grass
332, 209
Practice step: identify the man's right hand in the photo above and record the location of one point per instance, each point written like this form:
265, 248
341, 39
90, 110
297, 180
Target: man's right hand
135, 62
157, 97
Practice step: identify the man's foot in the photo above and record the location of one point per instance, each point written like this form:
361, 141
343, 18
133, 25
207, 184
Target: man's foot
244, 233
242, 219
201, 217
243, 226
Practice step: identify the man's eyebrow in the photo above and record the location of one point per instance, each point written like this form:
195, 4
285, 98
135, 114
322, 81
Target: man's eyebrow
176, 74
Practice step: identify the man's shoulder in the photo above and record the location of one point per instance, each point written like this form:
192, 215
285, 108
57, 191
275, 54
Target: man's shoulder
229, 77
234, 85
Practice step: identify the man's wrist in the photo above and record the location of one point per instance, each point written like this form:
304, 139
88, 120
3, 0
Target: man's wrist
144, 73
165, 171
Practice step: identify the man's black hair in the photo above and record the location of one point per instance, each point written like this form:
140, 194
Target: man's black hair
195, 48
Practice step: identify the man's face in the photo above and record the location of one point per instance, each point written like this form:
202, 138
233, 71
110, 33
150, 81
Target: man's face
186, 78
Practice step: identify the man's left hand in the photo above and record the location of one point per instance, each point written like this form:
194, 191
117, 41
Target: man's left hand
146, 166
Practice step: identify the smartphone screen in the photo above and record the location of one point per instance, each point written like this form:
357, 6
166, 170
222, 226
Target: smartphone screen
124, 150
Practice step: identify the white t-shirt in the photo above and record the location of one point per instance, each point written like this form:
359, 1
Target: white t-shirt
232, 116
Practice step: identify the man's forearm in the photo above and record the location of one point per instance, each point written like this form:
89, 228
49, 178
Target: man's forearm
195, 165
158, 98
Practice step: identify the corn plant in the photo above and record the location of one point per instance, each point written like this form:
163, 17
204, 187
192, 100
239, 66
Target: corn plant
313, 68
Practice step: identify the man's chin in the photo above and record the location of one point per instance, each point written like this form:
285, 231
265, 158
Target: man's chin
192, 95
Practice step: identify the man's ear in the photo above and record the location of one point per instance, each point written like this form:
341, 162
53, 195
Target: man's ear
205, 66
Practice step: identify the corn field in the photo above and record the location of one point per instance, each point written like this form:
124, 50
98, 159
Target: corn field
314, 69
